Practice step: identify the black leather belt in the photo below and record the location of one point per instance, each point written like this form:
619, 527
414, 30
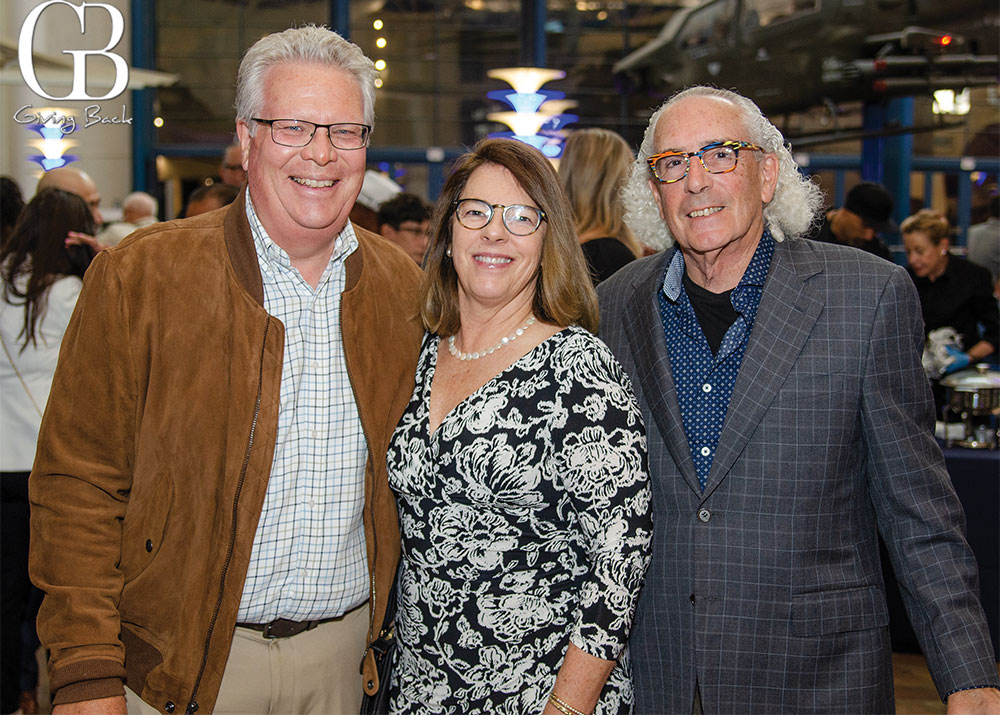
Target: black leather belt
283, 628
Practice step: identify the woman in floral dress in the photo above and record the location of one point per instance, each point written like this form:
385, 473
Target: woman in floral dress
519, 466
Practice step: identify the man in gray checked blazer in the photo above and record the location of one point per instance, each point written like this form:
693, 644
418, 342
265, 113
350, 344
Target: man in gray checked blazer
789, 421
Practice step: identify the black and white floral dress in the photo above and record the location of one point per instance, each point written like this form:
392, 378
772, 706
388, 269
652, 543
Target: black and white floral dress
525, 522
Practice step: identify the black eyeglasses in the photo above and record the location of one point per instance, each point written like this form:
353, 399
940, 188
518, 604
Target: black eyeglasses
299, 132
717, 158
520, 219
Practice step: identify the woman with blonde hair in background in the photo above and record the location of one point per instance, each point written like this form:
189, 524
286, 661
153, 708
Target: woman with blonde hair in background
593, 167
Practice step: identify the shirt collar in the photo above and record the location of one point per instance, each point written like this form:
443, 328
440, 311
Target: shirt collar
755, 274
270, 253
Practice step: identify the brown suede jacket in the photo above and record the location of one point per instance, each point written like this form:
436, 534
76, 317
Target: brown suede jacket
156, 448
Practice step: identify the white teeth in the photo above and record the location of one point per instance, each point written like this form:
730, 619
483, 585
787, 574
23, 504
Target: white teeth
705, 212
493, 259
312, 182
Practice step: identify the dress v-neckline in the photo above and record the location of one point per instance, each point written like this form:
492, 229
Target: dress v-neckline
432, 371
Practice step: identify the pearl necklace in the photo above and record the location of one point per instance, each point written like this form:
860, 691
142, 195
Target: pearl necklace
487, 351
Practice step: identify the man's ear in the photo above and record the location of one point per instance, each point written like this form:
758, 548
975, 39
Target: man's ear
768, 166
243, 134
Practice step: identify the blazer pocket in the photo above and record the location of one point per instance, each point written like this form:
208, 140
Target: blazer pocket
840, 610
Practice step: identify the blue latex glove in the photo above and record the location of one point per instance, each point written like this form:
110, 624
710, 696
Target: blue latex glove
959, 360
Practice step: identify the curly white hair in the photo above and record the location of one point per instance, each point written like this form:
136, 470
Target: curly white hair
792, 210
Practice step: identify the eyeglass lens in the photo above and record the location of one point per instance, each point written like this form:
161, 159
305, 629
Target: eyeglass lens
520, 219
715, 159
298, 133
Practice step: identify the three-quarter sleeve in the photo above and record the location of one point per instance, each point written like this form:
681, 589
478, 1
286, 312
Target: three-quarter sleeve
600, 453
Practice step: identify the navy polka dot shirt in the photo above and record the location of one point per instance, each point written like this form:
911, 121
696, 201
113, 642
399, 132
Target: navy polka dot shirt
704, 382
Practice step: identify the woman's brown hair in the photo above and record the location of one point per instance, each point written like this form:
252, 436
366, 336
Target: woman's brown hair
564, 294
37, 250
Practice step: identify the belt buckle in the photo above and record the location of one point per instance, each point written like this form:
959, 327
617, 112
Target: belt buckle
283, 628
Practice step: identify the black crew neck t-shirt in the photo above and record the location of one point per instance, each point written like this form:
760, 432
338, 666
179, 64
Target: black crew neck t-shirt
714, 311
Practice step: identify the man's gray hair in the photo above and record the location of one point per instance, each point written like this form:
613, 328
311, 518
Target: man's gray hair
140, 201
793, 208
309, 43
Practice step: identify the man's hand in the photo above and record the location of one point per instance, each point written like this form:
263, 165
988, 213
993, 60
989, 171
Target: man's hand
109, 705
78, 238
975, 701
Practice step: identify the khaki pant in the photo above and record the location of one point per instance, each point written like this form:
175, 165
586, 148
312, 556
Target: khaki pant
315, 672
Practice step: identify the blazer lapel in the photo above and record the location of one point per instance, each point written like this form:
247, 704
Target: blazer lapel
787, 313
649, 349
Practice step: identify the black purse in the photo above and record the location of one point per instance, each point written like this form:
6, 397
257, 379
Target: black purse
384, 650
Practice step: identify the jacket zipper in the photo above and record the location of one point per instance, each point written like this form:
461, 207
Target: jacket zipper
192, 706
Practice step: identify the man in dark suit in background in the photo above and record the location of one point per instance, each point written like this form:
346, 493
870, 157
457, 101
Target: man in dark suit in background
789, 422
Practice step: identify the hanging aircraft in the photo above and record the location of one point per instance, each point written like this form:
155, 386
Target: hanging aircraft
790, 55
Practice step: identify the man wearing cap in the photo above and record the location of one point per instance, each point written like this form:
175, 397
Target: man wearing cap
866, 213
376, 189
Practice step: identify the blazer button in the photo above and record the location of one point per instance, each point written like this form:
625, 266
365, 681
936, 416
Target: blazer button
149, 545
169, 707
704, 515
692, 598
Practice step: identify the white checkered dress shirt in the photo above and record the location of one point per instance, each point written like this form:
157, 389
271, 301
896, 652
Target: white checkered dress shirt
308, 559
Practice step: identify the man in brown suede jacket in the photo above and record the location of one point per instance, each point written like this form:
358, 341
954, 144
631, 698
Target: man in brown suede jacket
211, 520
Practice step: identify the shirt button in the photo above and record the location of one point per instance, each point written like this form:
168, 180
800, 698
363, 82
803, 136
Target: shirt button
314, 434
704, 515
706, 451
707, 387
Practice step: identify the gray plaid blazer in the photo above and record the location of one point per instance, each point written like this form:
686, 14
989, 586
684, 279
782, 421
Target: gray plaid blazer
768, 588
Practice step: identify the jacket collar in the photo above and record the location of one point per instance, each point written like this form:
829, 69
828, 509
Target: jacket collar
789, 308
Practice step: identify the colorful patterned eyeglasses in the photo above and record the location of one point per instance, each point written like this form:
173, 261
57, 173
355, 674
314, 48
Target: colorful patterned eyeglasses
717, 158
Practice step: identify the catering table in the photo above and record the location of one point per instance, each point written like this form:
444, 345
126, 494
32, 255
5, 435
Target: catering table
976, 477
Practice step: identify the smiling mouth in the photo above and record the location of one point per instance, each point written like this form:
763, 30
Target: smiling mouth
704, 212
495, 260
313, 183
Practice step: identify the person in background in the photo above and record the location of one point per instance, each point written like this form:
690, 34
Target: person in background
211, 520
867, 212
984, 243
209, 198
519, 466
404, 220
75, 181
41, 279
377, 188
231, 169
11, 205
954, 293
789, 423
593, 168
138, 209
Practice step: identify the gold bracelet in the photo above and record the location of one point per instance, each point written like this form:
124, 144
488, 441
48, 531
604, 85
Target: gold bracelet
563, 706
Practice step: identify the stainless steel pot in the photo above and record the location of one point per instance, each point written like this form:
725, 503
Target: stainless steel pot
975, 391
